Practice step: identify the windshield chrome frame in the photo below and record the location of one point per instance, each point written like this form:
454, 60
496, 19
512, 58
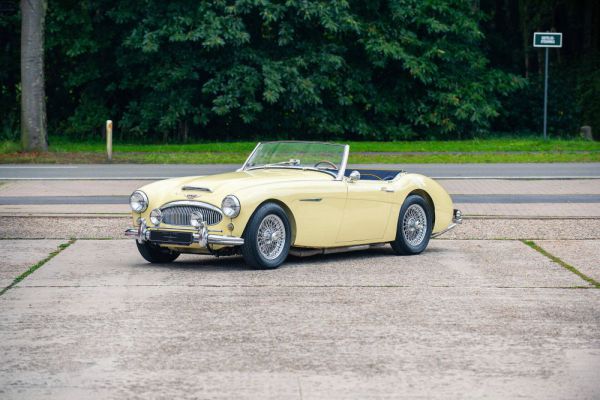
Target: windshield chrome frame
338, 177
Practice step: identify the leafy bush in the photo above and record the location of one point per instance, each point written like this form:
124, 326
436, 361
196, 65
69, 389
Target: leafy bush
309, 69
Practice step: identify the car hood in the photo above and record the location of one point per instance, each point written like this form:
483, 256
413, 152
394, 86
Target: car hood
211, 189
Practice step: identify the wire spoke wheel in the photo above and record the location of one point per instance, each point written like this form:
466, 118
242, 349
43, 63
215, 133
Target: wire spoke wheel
414, 225
271, 237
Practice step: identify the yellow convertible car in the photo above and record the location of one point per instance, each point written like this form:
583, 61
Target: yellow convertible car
289, 197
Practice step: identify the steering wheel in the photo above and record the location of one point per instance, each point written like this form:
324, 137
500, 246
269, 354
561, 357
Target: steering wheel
326, 162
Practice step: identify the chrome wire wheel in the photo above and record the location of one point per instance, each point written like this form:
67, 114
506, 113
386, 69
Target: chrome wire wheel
414, 225
271, 237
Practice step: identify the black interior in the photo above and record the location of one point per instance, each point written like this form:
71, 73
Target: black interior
374, 174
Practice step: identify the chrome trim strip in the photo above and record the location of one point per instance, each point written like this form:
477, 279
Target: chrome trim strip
440, 233
140, 233
249, 157
300, 141
315, 199
291, 167
456, 220
225, 240
342, 170
131, 232
310, 251
202, 189
211, 239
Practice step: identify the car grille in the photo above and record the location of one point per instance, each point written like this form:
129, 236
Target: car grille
180, 215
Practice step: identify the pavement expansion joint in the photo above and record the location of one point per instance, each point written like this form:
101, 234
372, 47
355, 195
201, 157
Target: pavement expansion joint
562, 263
37, 266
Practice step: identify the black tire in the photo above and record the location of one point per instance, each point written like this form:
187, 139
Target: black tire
253, 256
403, 245
156, 254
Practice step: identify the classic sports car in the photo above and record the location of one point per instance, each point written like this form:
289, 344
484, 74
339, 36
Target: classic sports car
289, 198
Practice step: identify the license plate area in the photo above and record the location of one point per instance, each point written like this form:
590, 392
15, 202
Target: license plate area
168, 237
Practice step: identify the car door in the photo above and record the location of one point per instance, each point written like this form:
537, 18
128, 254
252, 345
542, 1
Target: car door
318, 209
367, 211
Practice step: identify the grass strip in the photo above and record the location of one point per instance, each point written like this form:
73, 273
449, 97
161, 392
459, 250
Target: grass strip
36, 266
404, 152
238, 158
563, 264
513, 144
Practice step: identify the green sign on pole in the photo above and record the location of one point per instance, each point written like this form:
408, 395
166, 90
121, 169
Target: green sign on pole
546, 39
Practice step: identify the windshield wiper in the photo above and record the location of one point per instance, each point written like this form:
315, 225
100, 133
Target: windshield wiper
293, 162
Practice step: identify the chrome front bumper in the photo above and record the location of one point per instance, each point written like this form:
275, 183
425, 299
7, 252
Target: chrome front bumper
200, 236
456, 220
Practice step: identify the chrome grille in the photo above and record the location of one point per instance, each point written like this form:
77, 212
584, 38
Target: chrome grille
180, 215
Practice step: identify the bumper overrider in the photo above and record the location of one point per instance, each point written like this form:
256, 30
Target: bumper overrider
199, 235
456, 220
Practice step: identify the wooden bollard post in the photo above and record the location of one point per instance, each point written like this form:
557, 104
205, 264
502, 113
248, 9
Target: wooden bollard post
109, 139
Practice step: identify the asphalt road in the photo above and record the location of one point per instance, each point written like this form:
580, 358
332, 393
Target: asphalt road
161, 171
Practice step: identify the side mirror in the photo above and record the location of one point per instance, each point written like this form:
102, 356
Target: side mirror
354, 176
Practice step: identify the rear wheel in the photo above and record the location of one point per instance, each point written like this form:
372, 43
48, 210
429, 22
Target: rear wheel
267, 238
156, 254
414, 226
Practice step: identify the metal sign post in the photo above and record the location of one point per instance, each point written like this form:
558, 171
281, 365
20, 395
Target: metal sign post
547, 40
109, 129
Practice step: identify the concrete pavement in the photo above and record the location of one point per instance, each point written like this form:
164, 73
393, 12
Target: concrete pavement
583, 254
467, 319
18, 255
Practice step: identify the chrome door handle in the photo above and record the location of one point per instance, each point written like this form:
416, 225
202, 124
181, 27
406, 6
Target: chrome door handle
387, 190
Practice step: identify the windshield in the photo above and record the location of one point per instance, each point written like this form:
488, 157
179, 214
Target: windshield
324, 157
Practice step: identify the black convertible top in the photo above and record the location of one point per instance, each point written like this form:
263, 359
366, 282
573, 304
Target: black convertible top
374, 174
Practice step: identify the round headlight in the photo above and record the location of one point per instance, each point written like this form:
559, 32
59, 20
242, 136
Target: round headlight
196, 218
156, 216
138, 201
231, 206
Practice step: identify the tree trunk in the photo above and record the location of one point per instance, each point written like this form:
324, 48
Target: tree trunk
34, 136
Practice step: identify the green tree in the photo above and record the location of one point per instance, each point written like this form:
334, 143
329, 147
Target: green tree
376, 70
10, 21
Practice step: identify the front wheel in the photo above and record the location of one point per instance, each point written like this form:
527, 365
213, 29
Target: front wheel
267, 238
414, 226
156, 254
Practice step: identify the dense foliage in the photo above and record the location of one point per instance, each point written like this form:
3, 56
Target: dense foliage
182, 70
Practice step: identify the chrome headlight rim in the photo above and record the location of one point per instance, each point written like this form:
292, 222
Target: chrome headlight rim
144, 201
231, 206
